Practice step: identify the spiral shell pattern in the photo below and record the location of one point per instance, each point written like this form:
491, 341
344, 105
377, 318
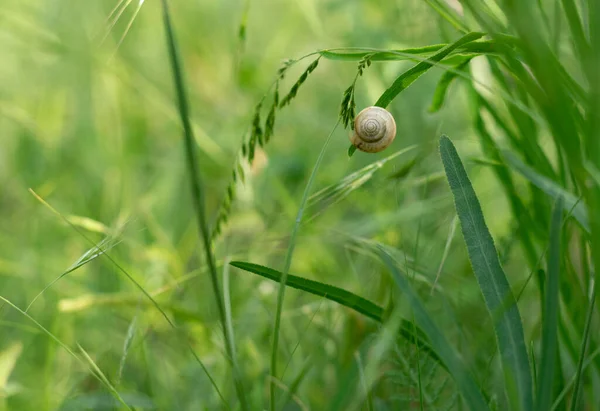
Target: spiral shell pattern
374, 130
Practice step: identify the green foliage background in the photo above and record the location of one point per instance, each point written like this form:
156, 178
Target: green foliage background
89, 122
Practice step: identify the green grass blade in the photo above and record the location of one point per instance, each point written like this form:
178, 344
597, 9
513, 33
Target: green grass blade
464, 381
100, 375
415, 53
446, 12
288, 263
409, 76
335, 193
339, 295
198, 194
491, 278
342, 297
93, 370
564, 392
103, 252
578, 36
551, 188
441, 90
584, 343
551, 315
90, 255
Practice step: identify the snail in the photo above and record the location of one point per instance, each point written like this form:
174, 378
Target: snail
374, 130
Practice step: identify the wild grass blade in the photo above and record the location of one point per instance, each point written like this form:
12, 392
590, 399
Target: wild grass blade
441, 90
363, 381
334, 193
293, 388
146, 294
582, 350
87, 257
579, 40
468, 388
491, 278
565, 391
552, 189
104, 382
198, 194
342, 297
444, 10
100, 375
550, 314
414, 53
287, 264
409, 76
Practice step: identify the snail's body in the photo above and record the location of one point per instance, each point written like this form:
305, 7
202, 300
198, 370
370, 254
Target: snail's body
374, 130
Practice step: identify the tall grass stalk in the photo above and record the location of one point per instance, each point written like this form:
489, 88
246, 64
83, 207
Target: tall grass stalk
198, 196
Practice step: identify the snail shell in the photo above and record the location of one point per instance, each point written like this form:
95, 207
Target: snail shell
374, 130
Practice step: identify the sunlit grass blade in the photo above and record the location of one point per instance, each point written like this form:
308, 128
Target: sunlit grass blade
104, 382
449, 239
416, 53
551, 188
198, 194
491, 278
127, 345
409, 76
342, 297
129, 24
8, 360
550, 314
578, 37
469, 390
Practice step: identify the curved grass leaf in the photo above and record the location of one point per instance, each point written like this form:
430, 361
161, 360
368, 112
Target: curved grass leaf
492, 280
342, 297
570, 202
550, 321
439, 95
468, 388
469, 49
409, 76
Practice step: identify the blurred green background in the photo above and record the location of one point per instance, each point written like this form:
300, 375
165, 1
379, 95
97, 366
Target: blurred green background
88, 121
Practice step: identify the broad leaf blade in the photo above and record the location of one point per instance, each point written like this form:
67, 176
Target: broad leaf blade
409, 76
491, 278
464, 381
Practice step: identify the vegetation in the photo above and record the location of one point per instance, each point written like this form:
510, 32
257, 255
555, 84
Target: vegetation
183, 225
